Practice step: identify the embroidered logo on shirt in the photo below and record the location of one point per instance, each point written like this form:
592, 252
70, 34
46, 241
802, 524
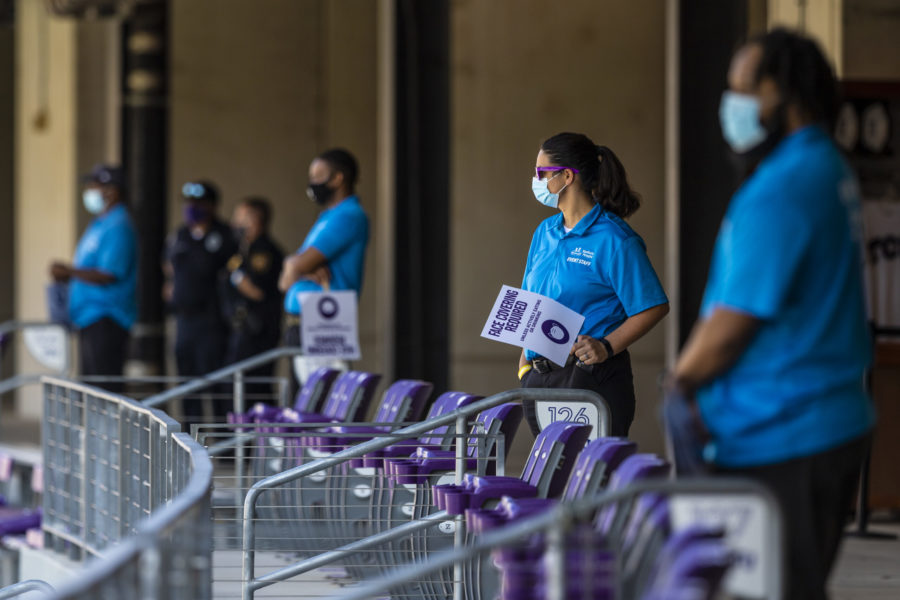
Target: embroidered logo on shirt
581, 256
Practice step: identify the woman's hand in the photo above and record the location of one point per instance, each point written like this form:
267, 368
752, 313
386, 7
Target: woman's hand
589, 351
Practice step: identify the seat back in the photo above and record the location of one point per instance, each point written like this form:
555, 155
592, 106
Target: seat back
498, 422
350, 396
599, 458
315, 389
445, 403
403, 401
637, 467
553, 455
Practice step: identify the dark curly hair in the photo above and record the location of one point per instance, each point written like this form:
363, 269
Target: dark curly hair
800, 71
601, 172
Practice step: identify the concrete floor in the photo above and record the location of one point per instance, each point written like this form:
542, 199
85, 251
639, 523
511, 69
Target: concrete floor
868, 569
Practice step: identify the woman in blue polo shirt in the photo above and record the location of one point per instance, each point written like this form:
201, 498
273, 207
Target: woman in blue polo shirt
587, 258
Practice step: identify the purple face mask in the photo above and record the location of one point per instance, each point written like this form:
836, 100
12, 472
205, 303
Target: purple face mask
194, 214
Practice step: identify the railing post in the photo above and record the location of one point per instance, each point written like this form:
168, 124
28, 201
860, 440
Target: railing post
248, 557
239, 409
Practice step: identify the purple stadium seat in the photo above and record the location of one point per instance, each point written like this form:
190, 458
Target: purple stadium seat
403, 401
551, 460
436, 439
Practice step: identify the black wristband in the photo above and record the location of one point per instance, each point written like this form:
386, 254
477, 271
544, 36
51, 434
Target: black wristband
608, 346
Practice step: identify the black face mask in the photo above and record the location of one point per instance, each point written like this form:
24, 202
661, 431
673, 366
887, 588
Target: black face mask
319, 193
745, 163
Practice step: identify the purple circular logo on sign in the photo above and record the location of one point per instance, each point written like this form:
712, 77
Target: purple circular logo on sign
328, 307
555, 331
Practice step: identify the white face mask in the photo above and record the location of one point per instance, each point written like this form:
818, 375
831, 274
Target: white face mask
739, 118
93, 201
543, 193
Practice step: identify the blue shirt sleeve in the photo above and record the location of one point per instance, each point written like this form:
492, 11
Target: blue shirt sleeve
117, 252
534, 239
335, 234
633, 278
761, 256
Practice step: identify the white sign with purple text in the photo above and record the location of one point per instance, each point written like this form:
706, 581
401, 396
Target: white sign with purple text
535, 322
329, 327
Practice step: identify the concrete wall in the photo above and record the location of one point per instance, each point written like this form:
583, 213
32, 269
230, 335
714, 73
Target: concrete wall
258, 89
522, 71
871, 40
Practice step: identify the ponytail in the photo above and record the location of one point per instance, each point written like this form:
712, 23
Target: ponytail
611, 187
601, 173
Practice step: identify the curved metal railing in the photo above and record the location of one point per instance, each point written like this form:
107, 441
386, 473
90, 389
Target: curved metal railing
123, 485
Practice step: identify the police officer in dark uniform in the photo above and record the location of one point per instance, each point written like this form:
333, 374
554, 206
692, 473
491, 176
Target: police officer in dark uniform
250, 291
195, 256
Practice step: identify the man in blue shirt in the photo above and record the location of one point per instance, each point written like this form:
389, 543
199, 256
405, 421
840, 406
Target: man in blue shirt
778, 357
333, 253
102, 279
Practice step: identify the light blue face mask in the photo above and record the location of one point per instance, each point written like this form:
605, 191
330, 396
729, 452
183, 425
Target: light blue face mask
93, 201
543, 194
739, 117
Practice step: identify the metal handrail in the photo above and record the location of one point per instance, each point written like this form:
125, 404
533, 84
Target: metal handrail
563, 516
143, 548
223, 374
56, 520
459, 418
23, 587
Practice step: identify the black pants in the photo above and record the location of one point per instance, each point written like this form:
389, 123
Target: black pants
611, 379
200, 345
242, 345
102, 346
815, 493
292, 339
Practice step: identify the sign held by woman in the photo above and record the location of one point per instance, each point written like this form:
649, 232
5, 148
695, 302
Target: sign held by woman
533, 321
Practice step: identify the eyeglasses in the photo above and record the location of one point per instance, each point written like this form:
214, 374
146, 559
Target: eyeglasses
539, 170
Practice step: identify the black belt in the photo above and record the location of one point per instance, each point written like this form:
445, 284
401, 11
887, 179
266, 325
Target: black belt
542, 365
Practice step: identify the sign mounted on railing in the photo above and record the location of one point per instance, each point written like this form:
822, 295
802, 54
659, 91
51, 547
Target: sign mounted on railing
329, 327
743, 520
535, 322
47, 345
586, 413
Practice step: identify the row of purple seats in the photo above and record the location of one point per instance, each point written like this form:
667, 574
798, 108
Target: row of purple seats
404, 477
328, 403
552, 457
629, 551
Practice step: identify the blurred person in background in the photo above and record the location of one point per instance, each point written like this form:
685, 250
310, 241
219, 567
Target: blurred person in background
332, 256
103, 276
195, 256
250, 290
589, 259
777, 359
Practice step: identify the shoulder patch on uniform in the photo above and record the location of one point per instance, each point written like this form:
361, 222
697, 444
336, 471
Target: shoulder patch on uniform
260, 261
235, 262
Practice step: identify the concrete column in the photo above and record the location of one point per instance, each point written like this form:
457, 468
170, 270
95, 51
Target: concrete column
46, 163
819, 18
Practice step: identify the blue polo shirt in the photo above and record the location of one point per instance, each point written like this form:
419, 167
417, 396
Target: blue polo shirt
599, 269
788, 254
109, 244
341, 233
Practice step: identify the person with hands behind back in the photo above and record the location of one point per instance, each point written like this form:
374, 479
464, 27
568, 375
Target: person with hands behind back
588, 258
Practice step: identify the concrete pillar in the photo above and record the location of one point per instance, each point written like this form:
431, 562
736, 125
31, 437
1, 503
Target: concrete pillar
821, 19
46, 162
66, 120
